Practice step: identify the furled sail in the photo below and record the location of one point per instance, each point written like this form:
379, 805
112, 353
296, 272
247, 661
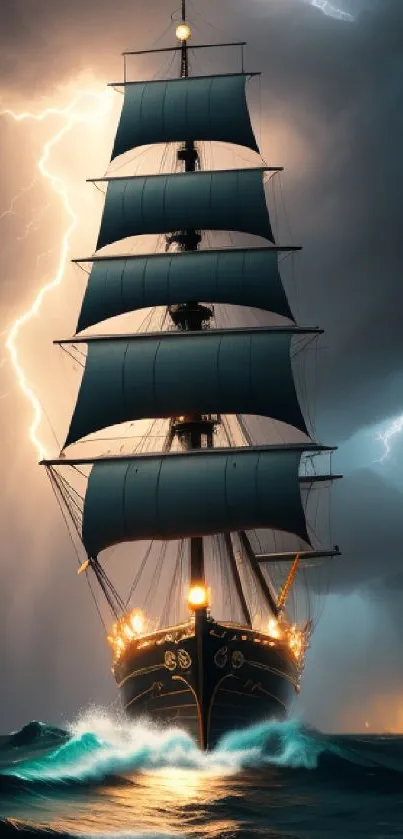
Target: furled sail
194, 493
238, 277
176, 110
226, 371
221, 200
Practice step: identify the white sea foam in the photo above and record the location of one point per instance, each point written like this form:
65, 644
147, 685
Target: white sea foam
102, 745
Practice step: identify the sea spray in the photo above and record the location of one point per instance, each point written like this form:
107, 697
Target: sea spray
102, 746
286, 743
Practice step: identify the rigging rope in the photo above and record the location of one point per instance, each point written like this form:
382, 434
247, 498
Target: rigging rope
56, 491
139, 573
152, 589
173, 596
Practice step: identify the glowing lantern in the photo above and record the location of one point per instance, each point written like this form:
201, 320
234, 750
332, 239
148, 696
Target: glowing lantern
198, 597
183, 32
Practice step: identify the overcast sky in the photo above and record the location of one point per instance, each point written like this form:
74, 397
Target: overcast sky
332, 114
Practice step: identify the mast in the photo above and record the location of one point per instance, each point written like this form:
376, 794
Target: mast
184, 49
190, 316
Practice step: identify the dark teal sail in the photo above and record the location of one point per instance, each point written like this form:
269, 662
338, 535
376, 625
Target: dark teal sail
176, 110
238, 277
222, 200
194, 493
224, 371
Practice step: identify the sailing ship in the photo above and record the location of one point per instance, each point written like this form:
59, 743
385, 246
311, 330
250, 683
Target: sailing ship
206, 497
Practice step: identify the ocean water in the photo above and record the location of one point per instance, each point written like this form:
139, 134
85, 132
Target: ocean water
107, 777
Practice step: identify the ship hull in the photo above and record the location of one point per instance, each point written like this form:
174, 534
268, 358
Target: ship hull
208, 678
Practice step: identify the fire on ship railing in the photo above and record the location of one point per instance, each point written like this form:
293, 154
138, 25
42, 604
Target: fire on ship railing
136, 627
131, 626
297, 638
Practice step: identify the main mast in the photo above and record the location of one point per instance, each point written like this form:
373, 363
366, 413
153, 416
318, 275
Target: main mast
184, 50
191, 428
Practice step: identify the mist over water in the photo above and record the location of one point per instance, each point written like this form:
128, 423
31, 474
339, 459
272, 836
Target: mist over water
107, 776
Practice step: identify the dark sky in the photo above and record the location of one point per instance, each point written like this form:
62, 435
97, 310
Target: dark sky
332, 115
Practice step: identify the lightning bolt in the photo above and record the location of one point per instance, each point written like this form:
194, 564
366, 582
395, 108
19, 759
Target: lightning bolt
79, 110
396, 427
34, 224
11, 209
330, 10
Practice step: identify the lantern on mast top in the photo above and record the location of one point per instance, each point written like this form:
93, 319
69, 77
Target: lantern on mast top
183, 32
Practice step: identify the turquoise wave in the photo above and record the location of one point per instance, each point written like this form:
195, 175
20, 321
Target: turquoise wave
99, 746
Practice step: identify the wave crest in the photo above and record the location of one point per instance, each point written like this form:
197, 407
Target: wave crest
99, 746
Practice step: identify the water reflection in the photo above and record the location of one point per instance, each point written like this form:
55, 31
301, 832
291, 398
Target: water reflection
274, 780
168, 802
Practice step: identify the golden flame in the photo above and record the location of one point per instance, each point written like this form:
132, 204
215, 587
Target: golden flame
274, 629
295, 637
137, 622
198, 597
130, 627
297, 642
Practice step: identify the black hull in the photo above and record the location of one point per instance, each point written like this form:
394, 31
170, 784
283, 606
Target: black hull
207, 680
